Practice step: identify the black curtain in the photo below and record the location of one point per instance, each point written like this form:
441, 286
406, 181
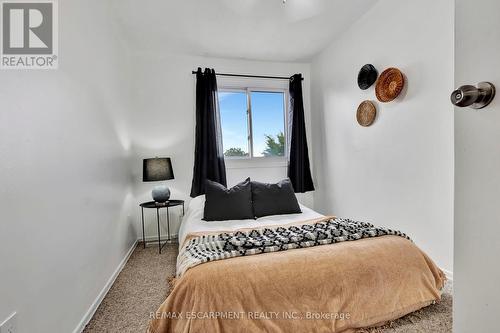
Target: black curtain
208, 155
299, 170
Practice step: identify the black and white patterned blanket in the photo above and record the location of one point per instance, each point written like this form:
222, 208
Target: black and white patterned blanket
206, 248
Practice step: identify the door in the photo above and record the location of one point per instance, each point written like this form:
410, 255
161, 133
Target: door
477, 171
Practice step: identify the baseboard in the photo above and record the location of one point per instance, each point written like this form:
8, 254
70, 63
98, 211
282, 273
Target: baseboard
93, 308
449, 274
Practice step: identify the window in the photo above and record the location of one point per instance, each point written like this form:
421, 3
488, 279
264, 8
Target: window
253, 122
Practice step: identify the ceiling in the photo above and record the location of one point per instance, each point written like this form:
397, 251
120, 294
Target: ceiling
246, 29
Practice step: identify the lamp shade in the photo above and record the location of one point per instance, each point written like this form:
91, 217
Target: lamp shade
157, 169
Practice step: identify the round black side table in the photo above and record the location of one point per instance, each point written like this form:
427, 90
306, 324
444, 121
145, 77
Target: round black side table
158, 206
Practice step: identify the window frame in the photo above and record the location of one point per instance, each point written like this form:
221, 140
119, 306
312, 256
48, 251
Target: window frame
248, 89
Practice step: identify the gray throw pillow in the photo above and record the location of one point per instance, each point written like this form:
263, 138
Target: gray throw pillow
274, 199
228, 204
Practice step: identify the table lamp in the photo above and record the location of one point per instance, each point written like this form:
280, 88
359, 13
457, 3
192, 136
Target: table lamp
158, 169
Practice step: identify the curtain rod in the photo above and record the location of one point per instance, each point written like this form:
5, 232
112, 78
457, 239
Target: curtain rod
254, 76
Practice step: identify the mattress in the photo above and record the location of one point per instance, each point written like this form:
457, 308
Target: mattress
329, 288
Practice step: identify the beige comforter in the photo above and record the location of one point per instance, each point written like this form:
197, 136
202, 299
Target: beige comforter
329, 288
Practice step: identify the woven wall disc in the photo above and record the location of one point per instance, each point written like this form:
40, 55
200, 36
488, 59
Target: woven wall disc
367, 76
389, 85
366, 113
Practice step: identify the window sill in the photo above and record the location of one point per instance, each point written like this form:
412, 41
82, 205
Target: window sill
256, 162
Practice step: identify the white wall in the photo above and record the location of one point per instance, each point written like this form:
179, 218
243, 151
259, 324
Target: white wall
399, 171
477, 163
163, 121
64, 175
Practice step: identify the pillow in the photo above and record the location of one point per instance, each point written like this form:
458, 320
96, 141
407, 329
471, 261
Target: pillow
228, 204
274, 199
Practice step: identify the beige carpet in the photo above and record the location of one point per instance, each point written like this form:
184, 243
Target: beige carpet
143, 285
139, 289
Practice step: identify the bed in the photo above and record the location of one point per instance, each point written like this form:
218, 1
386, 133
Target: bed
336, 287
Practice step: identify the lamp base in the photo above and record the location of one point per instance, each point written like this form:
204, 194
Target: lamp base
160, 193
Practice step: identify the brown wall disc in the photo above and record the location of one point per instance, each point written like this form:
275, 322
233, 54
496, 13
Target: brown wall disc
389, 85
366, 113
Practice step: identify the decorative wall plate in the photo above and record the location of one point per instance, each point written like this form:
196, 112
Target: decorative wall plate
366, 113
389, 85
367, 76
